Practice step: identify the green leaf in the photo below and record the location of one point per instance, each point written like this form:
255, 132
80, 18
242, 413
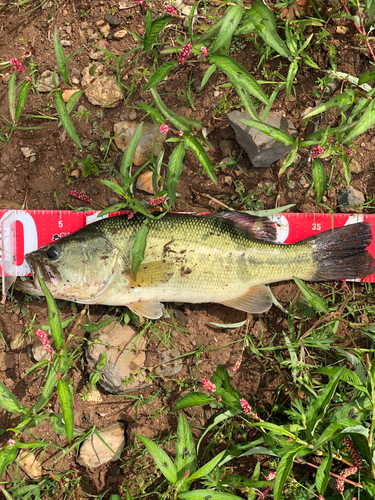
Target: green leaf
346, 166
151, 111
315, 300
338, 101
197, 148
174, 171
207, 495
8, 401
323, 473
139, 247
246, 26
12, 96
127, 159
239, 77
53, 316
316, 409
193, 12
162, 460
319, 178
348, 376
61, 59
66, 400
276, 429
193, 399
172, 117
232, 325
367, 77
332, 431
264, 22
57, 424
161, 73
22, 98
73, 99
208, 467
243, 482
290, 157
229, 396
274, 132
154, 30
7, 456
367, 120
65, 119
211, 32
48, 387
186, 458
210, 71
293, 68
115, 187
283, 469
232, 17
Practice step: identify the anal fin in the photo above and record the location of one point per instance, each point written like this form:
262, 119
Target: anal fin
257, 299
151, 309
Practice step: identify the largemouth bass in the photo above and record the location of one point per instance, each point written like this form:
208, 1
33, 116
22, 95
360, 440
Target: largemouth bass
225, 258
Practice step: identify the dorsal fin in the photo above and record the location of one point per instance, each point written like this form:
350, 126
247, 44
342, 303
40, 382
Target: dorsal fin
253, 226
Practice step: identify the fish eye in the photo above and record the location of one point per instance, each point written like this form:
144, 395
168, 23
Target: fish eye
53, 252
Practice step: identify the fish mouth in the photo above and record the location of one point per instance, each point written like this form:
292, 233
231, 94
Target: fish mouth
46, 270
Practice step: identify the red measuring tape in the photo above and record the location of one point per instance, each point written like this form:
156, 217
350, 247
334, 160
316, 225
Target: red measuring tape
23, 231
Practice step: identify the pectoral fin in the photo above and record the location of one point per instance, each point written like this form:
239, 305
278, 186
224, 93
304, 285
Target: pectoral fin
257, 299
150, 274
151, 309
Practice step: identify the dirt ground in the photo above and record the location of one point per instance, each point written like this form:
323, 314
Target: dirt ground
46, 184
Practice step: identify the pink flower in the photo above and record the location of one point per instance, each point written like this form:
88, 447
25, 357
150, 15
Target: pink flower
157, 201
164, 129
17, 64
11, 442
184, 53
28, 79
130, 216
186, 475
80, 196
44, 340
318, 150
139, 1
207, 384
181, 132
354, 453
348, 152
340, 485
271, 476
245, 406
321, 497
218, 398
204, 51
237, 364
171, 10
146, 6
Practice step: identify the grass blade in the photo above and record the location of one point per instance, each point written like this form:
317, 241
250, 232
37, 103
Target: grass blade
66, 400
197, 148
65, 119
127, 159
12, 96
346, 167
274, 132
233, 16
174, 171
61, 59
367, 121
210, 71
172, 117
162, 460
53, 317
22, 98
161, 73
139, 247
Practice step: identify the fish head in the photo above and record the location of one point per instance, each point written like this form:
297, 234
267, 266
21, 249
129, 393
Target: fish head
80, 267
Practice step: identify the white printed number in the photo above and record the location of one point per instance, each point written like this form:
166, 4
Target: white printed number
316, 226
60, 223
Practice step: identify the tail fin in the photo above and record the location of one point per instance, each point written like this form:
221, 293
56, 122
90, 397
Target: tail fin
342, 254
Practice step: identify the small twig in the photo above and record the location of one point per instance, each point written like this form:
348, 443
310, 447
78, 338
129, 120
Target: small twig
360, 32
212, 199
26, 194
337, 476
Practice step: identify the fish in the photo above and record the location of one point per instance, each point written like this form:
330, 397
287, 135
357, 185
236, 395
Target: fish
226, 258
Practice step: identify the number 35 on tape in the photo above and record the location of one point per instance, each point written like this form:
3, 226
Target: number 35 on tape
23, 231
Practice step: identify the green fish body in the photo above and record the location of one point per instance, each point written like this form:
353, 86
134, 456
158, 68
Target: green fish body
226, 258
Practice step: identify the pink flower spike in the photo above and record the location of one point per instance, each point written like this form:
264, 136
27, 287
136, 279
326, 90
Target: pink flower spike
186, 475
207, 384
17, 64
158, 201
44, 340
204, 51
11, 442
80, 196
245, 406
349, 152
164, 129
184, 53
146, 6
171, 10
271, 476
218, 398
318, 150
28, 79
237, 364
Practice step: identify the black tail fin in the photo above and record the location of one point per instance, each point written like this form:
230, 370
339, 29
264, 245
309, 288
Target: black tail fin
342, 254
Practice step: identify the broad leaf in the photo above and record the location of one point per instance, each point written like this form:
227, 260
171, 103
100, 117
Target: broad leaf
9, 401
229, 396
193, 399
53, 316
161, 73
207, 495
232, 17
315, 300
162, 460
12, 96
153, 30
319, 179
22, 98
61, 59
186, 458
65, 119
66, 400
210, 71
197, 148
283, 469
174, 171
127, 159
178, 122
367, 120
337, 101
323, 473
139, 247
208, 467
273, 132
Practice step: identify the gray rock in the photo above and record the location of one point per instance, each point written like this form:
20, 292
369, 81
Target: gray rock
150, 133
112, 20
92, 190
125, 358
94, 452
355, 166
350, 200
45, 83
113, 201
39, 351
262, 150
104, 92
169, 365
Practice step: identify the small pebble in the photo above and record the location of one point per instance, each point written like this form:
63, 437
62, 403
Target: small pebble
113, 201
112, 20
216, 93
228, 180
65, 43
132, 115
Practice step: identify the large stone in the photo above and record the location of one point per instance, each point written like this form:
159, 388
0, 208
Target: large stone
104, 92
29, 464
94, 452
262, 149
125, 359
45, 81
350, 200
150, 133
144, 182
